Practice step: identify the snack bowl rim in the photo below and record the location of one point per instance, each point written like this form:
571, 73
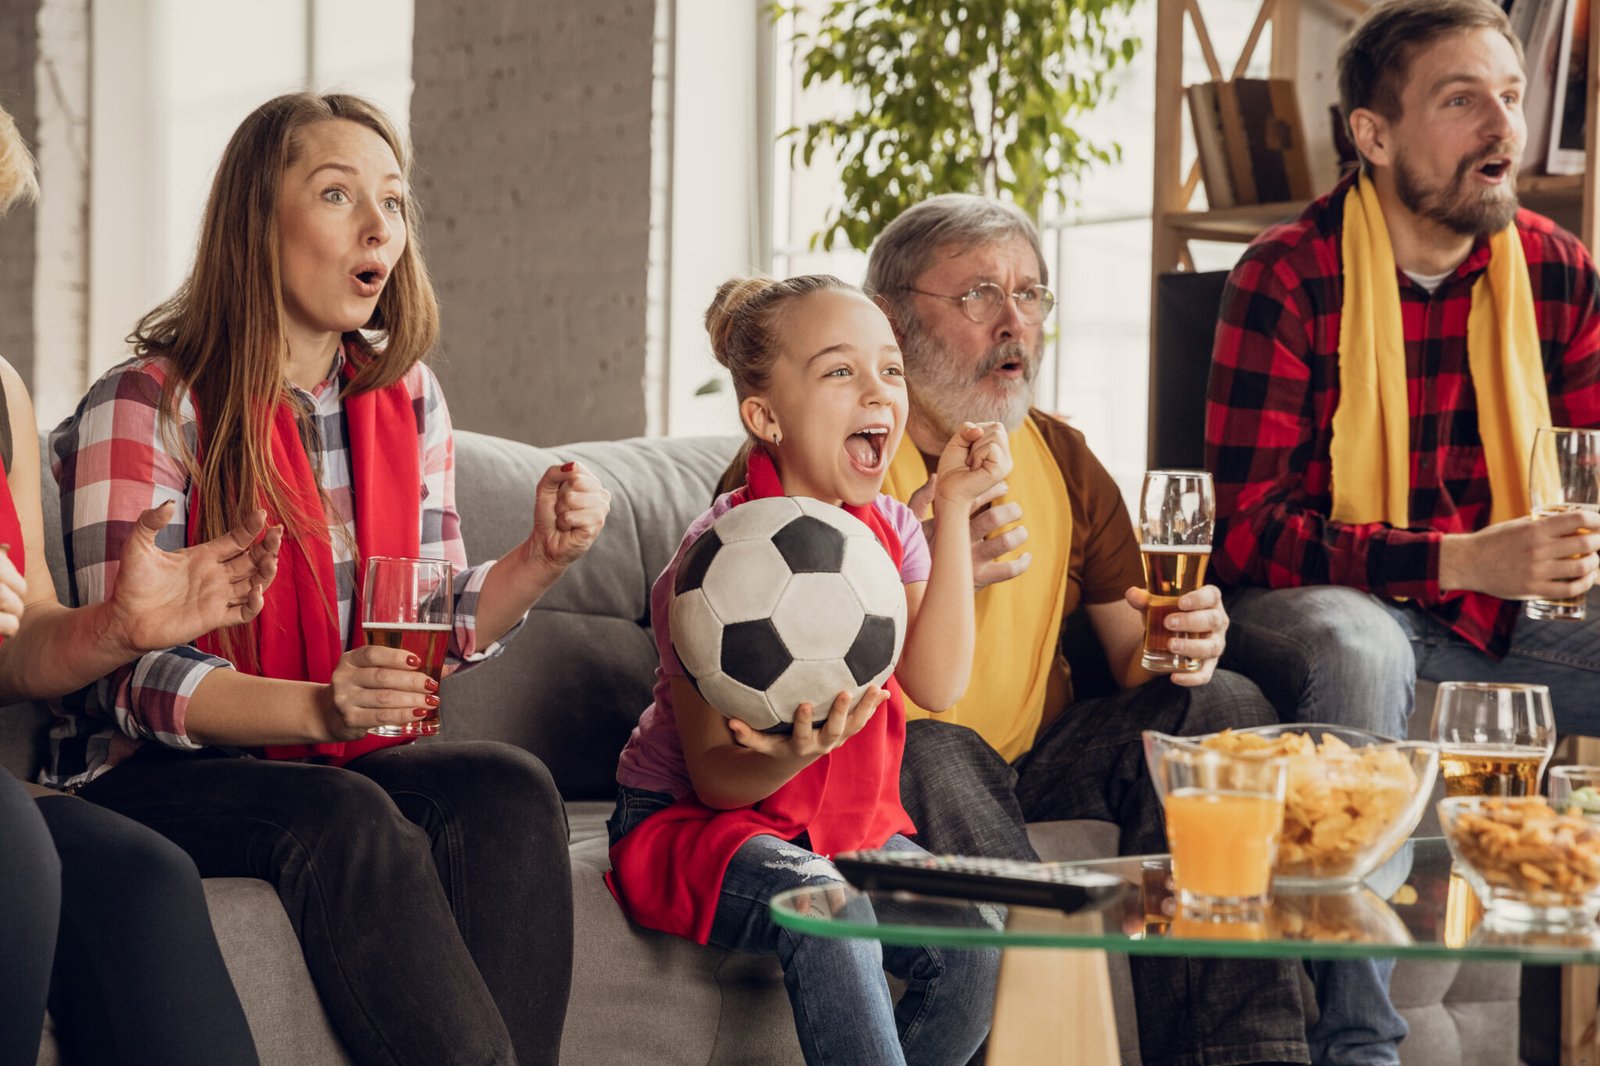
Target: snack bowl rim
1498, 899
1414, 809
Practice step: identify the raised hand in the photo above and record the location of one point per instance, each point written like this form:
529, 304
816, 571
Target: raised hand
987, 569
570, 508
977, 458
161, 598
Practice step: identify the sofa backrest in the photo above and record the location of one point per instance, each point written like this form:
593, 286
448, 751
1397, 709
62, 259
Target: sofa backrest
570, 686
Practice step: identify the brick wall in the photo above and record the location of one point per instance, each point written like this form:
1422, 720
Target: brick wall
532, 132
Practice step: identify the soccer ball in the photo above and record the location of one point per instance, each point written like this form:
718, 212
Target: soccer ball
786, 600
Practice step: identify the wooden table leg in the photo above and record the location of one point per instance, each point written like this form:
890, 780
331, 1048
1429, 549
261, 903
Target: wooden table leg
1580, 1016
1053, 1005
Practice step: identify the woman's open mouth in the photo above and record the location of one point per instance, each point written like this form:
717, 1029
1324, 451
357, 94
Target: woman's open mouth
369, 279
865, 449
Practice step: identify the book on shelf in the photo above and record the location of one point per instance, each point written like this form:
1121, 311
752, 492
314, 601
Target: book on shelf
1538, 24
1569, 91
1209, 145
1263, 140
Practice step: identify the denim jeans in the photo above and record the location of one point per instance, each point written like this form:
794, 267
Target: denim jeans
842, 1007
1324, 653
428, 884
965, 799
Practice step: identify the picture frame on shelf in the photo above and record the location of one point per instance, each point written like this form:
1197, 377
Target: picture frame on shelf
1569, 96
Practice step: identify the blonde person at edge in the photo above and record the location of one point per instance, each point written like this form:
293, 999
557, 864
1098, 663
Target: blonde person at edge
713, 817
104, 919
428, 883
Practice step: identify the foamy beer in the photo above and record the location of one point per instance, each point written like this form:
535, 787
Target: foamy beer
407, 604
1494, 738
1176, 512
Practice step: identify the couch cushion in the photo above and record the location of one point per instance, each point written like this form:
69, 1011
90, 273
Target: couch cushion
572, 684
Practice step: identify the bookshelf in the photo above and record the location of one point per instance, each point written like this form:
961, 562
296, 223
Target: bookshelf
1175, 220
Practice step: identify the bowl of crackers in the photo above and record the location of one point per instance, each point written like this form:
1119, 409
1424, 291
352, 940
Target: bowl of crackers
1353, 797
1527, 861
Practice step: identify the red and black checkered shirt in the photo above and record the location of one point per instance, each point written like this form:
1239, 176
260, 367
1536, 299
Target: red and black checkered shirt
1275, 384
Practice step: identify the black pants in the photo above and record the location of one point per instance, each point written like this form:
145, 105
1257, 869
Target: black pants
110, 921
428, 884
965, 799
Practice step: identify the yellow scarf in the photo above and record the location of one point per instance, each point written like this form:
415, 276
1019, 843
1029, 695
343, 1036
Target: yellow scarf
1370, 451
1018, 621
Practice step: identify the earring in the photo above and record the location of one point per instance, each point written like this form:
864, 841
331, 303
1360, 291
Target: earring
777, 438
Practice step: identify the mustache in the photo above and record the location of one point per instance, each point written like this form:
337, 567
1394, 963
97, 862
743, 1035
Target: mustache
1000, 355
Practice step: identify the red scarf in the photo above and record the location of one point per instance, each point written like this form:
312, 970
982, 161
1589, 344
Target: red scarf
668, 872
297, 634
11, 524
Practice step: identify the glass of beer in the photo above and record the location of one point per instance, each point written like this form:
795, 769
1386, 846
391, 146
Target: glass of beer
1563, 475
1494, 739
1176, 512
407, 604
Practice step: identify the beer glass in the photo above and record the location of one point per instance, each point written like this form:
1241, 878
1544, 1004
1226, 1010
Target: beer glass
1494, 739
1575, 786
1176, 512
407, 604
1563, 475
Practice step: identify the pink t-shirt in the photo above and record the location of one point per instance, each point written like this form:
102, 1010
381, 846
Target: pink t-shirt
653, 757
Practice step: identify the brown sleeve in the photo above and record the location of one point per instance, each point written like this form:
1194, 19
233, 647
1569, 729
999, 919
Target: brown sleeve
1104, 560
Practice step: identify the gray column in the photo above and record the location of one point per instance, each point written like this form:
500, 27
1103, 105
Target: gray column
532, 130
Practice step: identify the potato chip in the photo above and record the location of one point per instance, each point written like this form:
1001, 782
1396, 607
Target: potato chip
1339, 800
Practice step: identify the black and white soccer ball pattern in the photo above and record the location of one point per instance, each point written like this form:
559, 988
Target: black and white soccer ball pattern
786, 600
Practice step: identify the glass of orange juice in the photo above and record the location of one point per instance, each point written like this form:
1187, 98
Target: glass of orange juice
1224, 816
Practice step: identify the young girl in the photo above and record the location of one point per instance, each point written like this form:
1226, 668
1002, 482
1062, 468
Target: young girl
429, 884
713, 817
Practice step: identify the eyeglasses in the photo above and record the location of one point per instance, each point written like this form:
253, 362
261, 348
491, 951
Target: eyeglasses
983, 301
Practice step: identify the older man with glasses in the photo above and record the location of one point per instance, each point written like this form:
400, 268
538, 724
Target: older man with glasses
965, 285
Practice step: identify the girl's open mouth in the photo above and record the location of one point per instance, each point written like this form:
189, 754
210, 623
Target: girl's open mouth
866, 449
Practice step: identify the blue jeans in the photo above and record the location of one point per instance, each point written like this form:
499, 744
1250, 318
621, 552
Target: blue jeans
842, 1008
1325, 653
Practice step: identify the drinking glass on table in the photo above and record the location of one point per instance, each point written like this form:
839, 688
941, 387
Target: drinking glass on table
1224, 815
1563, 475
407, 604
1176, 513
1494, 739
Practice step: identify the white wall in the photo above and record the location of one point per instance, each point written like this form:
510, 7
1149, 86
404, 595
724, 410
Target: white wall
171, 81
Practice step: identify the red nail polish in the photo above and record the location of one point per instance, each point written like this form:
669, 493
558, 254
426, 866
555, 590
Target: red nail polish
566, 468
431, 701
421, 712
431, 686
413, 662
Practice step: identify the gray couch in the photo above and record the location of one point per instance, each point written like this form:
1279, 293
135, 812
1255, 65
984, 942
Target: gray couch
569, 689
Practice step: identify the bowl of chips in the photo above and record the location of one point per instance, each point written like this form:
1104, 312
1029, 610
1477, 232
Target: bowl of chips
1353, 797
1528, 862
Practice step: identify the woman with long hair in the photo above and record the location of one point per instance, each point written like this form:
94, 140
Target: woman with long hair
104, 920
429, 884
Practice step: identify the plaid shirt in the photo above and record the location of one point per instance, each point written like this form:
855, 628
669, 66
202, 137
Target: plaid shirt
112, 462
1275, 385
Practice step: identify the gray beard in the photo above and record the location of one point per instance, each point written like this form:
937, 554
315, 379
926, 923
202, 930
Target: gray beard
1452, 205
947, 390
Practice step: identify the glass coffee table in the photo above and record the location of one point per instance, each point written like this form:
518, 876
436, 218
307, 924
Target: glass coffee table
1055, 1004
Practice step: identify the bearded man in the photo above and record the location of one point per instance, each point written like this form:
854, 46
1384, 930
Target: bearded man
1380, 369
964, 284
